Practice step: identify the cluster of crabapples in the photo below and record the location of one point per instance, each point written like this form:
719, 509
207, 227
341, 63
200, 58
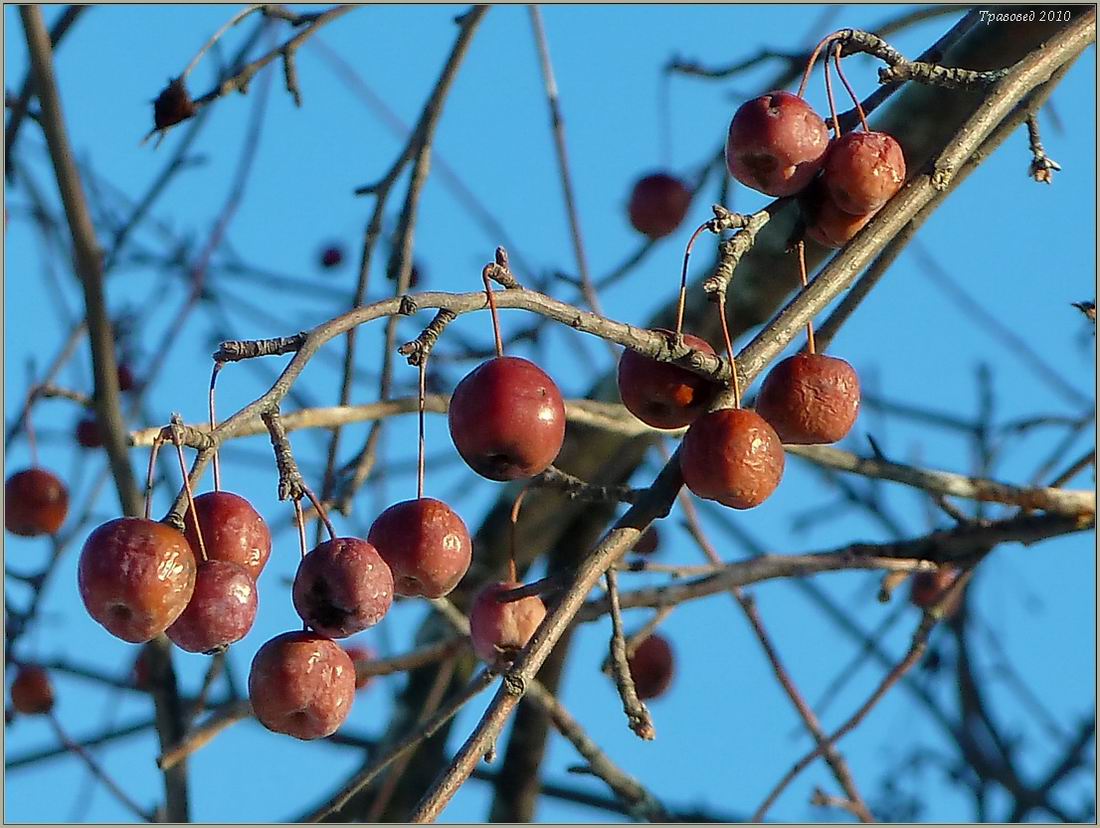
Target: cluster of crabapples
139, 578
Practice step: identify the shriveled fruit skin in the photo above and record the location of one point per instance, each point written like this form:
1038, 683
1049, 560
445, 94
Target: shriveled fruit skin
342, 587
863, 170
231, 530
500, 630
32, 691
426, 545
825, 222
658, 204
221, 611
732, 456
35, 503
652, 667
776, 144
136, 577
661, 394
810, 399
507, 419
301, 684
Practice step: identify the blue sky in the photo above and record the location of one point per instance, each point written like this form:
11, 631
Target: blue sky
725, 731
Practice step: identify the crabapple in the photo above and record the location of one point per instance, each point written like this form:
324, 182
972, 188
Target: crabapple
661, 394
733, 456
221, 610
499, 630
35, 503
231, 531
776, 144
426, 545
342, 587
136, 577
810, 399
658, 204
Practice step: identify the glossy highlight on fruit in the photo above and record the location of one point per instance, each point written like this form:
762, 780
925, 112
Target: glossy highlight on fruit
776, 144
732, 456
658, 204
810, 399
136, 577
35, 503
507, 419
221, 610
863, 170
500, 630
231, 531
342, 587
426, 545
651, 667
661, 394
301, 684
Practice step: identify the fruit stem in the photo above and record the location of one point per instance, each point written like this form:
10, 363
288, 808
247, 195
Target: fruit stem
300, 519
157, 442
190, 495
811, 348
515, 519
729, 350
493, 313
848, 86
213, 424
832, 102
684, 278
420, 434
321, 513
810, 63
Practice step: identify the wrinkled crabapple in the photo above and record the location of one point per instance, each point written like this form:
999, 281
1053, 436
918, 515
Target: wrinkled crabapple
733, 456
342, 587
231, 531
825, 222
810, 399
221, 610
301, 684
661, 394
136, 577
776, 144
507, 419
426, 545
500, 630
863, 170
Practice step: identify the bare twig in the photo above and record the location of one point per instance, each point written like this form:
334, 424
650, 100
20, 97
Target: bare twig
637, 715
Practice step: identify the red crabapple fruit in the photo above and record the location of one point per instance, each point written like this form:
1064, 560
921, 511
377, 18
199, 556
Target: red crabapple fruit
732, 456
221, 610
35, 503
500, 630
658, 204
136, 577
863, 171
776, 144
810, 399
426, 545
32, 691
301, 684
507, 419
342, 587
661, 394
231, 531
651, 667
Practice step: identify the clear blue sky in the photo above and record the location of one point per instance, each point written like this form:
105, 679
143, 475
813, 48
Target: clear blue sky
725, 731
